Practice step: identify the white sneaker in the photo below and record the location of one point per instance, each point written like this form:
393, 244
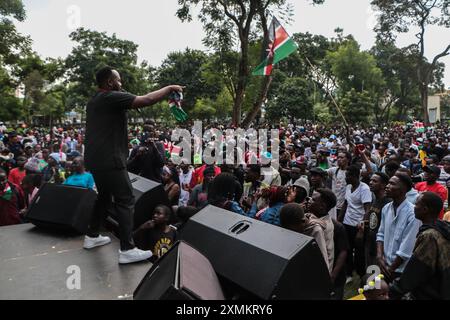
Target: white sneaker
90, 243
134, 255
348, 280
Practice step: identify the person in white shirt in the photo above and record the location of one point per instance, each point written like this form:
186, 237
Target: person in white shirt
185, 180
338, 183
358, 199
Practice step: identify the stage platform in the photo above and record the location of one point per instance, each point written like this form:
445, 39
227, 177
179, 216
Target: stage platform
34, 265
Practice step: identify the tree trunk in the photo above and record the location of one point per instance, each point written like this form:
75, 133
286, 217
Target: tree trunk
257, 105
424, 99
242, 82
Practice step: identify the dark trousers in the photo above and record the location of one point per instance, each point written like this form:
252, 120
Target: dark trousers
355, 258
114, 184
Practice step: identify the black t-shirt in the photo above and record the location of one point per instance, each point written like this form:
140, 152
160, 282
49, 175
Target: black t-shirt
106, 130
157, 241
375, 213
340, 244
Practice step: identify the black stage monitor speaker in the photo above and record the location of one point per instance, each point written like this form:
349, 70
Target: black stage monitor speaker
182, 273
62, 208
262, 260
149, 194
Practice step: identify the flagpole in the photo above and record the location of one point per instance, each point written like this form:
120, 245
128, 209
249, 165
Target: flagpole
328, 92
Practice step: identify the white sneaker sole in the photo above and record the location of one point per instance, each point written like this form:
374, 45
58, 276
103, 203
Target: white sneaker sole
98, 244
125, 260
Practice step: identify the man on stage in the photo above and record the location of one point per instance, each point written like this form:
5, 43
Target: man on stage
106, 158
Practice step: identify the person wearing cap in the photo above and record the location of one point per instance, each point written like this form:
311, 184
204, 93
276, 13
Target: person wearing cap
338, 182
398, 229
432, 173
28, 149
271, 175
51, 173
302, 189
185, 176
318, 179
323, 159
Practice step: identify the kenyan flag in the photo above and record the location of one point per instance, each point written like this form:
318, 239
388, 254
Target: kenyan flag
280, 47
175, 100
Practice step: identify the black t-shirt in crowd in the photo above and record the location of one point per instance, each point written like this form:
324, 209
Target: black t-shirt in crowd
106, 130
375, 213
340, 244
370, 236
159, 242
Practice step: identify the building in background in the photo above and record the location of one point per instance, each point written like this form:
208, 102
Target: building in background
438, 107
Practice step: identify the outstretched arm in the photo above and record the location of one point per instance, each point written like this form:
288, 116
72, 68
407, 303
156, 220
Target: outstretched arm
154, 97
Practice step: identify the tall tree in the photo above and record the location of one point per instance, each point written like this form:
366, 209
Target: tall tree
95, 50
12, 43
399, 16
359, 79
228, 22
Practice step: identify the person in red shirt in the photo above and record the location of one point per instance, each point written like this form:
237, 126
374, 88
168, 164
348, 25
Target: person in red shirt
432, 174
16, 175
11, 201
197, 176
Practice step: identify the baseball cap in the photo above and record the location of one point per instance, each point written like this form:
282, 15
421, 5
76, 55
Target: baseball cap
432, 169
318, 170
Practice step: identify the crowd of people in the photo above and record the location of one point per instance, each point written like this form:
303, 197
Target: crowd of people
368, 196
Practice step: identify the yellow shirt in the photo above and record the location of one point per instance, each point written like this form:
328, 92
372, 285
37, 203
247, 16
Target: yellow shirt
423, 156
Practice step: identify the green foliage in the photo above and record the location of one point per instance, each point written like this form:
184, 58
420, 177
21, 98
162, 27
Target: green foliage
400, 16
189, 68
95, 50
293, 100
12, 43
10, 106
322, 113
355, 69
356, 106
237, 22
